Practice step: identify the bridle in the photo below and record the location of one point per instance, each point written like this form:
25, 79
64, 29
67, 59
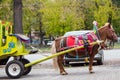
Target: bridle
112, 41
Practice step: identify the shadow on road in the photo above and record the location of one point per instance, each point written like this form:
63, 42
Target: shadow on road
4, 77
80, 64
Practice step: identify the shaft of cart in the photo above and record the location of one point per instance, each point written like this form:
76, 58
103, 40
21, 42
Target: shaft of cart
59, 53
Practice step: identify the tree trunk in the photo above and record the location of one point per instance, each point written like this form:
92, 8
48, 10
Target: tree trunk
40, 27
18, 16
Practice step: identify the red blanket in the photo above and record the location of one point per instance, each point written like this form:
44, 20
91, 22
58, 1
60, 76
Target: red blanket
73, 41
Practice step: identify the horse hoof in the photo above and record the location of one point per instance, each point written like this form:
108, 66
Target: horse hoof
64, 73
92, 72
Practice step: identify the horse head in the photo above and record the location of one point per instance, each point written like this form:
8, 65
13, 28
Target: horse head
111, 35
107, 32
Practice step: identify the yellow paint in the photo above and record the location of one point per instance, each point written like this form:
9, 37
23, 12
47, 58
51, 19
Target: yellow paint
10, 45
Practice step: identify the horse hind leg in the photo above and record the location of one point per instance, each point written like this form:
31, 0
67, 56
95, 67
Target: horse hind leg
92, 54
60, 65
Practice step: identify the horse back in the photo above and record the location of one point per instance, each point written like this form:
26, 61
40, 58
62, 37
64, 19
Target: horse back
68, 42
73, 41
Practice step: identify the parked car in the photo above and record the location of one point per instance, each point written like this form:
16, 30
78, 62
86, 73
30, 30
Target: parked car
49, 43
99, 57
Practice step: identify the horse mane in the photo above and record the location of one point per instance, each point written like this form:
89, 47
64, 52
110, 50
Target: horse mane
58, 38
107, 25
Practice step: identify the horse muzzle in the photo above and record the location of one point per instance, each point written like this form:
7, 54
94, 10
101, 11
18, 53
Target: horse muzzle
115, 39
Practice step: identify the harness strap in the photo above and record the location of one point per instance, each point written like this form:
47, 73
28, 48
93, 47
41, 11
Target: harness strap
76, 43
61, 44
86, 44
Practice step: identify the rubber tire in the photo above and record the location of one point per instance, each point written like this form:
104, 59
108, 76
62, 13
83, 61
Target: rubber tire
101, 60
17, 63
28, 69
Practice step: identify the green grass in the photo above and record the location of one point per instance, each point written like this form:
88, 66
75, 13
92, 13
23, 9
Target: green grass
45, 49
117, 46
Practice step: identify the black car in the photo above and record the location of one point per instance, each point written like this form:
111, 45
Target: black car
99, 57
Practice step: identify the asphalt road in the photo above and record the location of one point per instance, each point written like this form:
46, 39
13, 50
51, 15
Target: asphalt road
44, 71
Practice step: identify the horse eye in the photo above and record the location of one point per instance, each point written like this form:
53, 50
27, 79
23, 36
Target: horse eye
113, 31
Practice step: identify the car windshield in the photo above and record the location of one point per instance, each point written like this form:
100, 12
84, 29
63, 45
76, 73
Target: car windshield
76, 33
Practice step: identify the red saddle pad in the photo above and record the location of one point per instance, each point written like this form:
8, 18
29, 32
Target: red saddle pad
78, 40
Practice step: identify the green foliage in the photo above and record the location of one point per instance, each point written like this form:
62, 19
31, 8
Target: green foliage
102, 11
60, 16
29, 15
116, 21
6, 12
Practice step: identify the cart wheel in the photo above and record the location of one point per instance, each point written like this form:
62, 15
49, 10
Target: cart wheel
27, 69
14, 69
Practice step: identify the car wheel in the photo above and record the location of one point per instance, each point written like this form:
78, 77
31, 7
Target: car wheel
101, 60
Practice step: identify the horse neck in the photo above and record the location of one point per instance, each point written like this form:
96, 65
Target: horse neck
102, 34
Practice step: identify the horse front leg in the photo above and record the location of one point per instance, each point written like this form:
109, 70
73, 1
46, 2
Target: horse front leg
91, 63
60, 65
92, 55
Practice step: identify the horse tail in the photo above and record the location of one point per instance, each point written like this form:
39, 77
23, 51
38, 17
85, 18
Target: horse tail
53, 51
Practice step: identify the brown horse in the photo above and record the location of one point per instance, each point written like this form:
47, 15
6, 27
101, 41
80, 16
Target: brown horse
105, 32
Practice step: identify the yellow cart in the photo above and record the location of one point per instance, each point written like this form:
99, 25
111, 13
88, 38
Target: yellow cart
11, 45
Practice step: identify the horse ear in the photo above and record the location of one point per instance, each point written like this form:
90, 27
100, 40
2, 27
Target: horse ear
108, 25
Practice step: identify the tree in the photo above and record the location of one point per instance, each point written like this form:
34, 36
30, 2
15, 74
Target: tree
60, 16
116, 18
6, 12
18, 16
103, 11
